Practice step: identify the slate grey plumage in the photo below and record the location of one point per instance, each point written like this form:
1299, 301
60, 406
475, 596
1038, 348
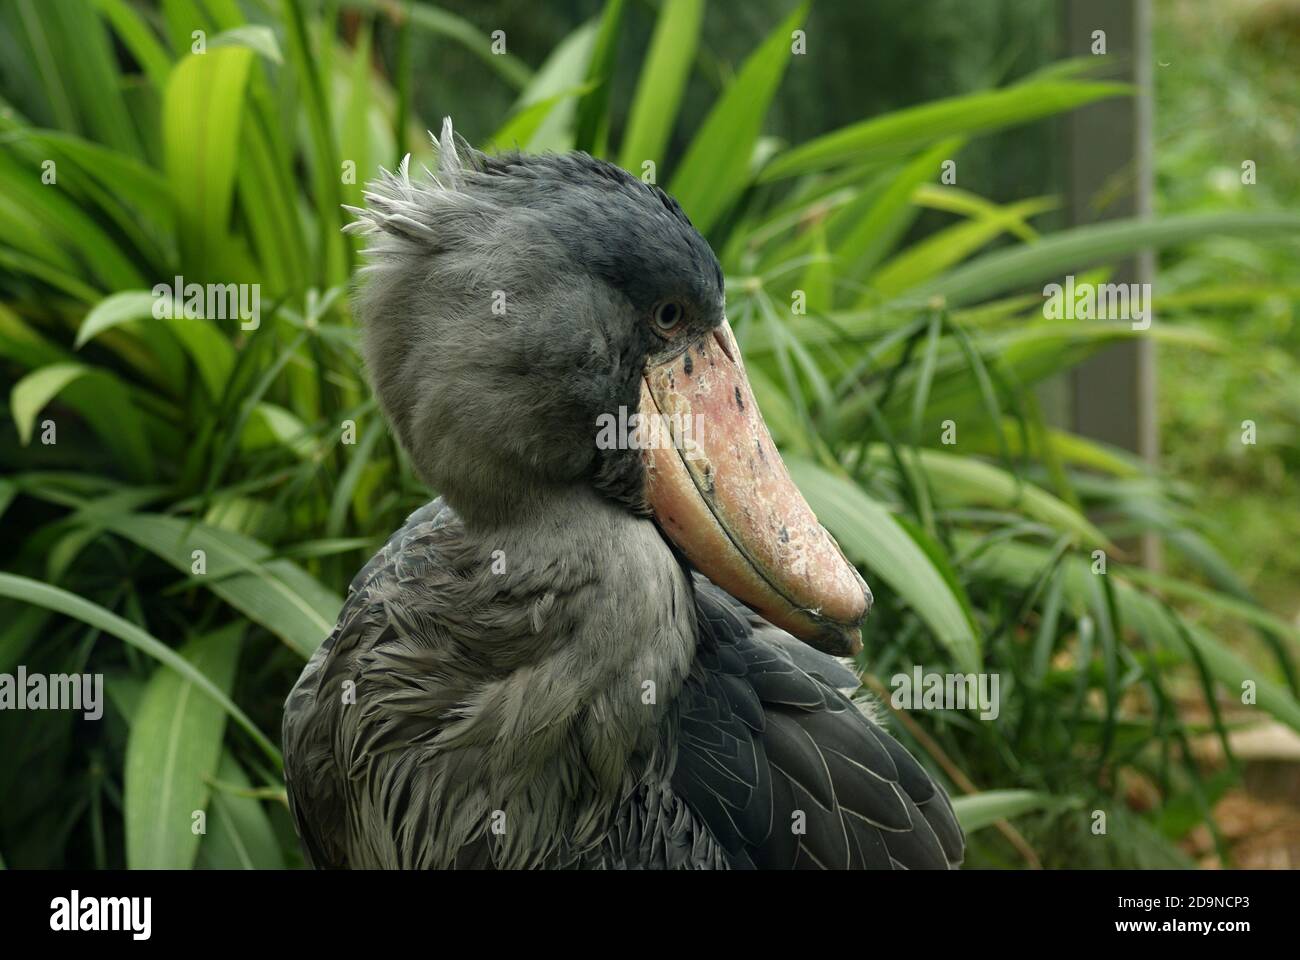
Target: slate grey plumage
529, 674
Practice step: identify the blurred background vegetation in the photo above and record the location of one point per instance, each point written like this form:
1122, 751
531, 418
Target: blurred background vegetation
816, 173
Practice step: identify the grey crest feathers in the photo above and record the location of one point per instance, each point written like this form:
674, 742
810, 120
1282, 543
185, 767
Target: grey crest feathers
502, 311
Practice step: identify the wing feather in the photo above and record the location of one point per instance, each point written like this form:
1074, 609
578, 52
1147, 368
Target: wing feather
835, 790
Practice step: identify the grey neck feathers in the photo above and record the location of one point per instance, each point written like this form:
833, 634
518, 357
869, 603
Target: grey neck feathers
573, 627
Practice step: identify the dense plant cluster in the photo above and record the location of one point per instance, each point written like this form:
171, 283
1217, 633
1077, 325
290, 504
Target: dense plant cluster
259, 447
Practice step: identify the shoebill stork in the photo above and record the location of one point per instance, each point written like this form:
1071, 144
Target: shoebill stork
596, 647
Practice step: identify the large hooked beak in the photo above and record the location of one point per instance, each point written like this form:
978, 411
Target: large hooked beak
721, 493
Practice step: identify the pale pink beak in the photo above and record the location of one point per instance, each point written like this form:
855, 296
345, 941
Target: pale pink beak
721, 493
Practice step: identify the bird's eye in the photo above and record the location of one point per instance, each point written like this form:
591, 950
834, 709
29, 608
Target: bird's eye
668, 315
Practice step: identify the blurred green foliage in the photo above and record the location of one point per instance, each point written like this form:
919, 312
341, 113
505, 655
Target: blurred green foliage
1229, 93
195, 438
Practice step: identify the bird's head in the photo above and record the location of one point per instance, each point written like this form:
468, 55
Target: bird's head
532, 323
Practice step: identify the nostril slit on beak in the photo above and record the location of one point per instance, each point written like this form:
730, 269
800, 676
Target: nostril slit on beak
722, 339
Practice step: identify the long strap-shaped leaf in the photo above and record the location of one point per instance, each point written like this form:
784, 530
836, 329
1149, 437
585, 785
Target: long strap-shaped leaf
869, 533
61, 601
172, 755
1084, 247
715, 169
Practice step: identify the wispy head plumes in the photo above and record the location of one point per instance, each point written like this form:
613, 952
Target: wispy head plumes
409, 211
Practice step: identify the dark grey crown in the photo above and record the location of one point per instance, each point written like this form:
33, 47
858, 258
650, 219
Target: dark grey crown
504, 309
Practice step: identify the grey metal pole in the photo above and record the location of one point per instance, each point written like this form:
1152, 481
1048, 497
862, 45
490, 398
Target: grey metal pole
1109, 173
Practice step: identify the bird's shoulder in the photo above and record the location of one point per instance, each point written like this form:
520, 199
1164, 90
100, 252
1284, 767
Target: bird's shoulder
314, 713
417, 552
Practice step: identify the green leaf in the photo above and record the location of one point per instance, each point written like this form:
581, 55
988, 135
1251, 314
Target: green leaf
44, 61
39, 594
20, 630
102, 181
942, 249
240, 835
1245, 611
132, 181
564, 69
979, 810
354, 137
208, 348
76, 37
1031, 354
1069, 448
26, 233
156, 357
35, 390
818, 281
1087, 246
172, 751
271, 425
663, 79
55, 213
259, 39
900, 132
332, 251
1019, 564
112, 311
518, 132
442, 23
100, 398
278, 594
268, 199
350, 478
61, 280
138, 38
870, 535
202, 109
1234, 674
864, 231
592, 118
964, 481
21, 342
934, 196
715, 169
